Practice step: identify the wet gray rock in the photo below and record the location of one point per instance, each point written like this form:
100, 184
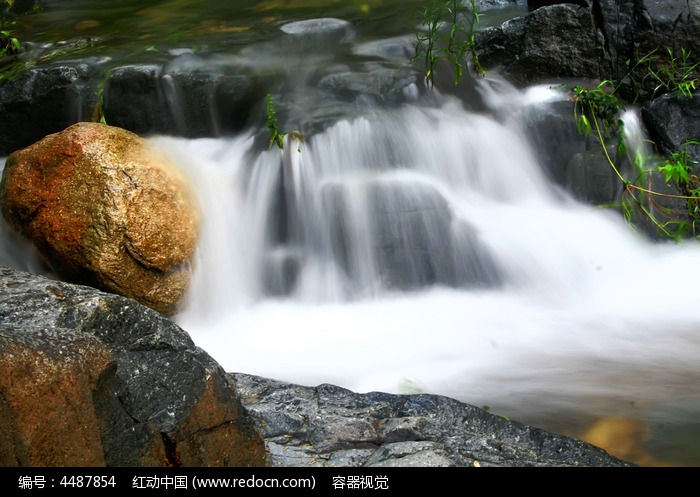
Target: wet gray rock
411, 234
41, 101
635, 28
591, 179
558, 41
591, 39
546, 124
672, 121
330, 426
151, 99
94, 379
372, 86
327, 29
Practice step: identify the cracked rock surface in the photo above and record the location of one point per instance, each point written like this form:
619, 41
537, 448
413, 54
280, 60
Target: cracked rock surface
103, 208
93, 379
330, 426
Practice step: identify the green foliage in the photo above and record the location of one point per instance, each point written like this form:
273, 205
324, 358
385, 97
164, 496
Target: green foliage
277, 138
678, 170
600, 108
436, 43
9, 44
597, 111
677, 74
600, 103
99, 114
14, 68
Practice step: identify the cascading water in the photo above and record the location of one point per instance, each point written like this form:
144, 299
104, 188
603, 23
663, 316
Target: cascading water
424, 249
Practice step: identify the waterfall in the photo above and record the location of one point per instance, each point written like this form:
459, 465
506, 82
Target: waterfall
423, 249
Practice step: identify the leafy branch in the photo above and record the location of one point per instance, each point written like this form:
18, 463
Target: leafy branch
598, 109
277, 138
9, 44
453, 44
271, 117
676, 75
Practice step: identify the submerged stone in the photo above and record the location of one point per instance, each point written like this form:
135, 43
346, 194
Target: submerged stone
321, 26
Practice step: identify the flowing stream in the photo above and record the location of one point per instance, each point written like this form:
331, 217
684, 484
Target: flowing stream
508, 292
418, 246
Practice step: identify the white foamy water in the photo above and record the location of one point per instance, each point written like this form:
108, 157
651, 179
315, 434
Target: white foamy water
584, 318
511, 294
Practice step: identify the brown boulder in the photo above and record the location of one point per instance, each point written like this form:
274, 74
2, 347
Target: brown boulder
47, 416
105, 209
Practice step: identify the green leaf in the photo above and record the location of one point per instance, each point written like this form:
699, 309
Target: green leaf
675, 171
583, 125
621, 148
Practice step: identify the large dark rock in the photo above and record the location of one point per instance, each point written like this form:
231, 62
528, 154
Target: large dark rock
559, 41
93, 379
599, 39
184, 98
40, 101
331, 426
142, 98
129, 88
672, 121
635, 28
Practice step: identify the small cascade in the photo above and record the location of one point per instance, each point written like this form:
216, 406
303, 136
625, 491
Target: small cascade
425, 248
439, 238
